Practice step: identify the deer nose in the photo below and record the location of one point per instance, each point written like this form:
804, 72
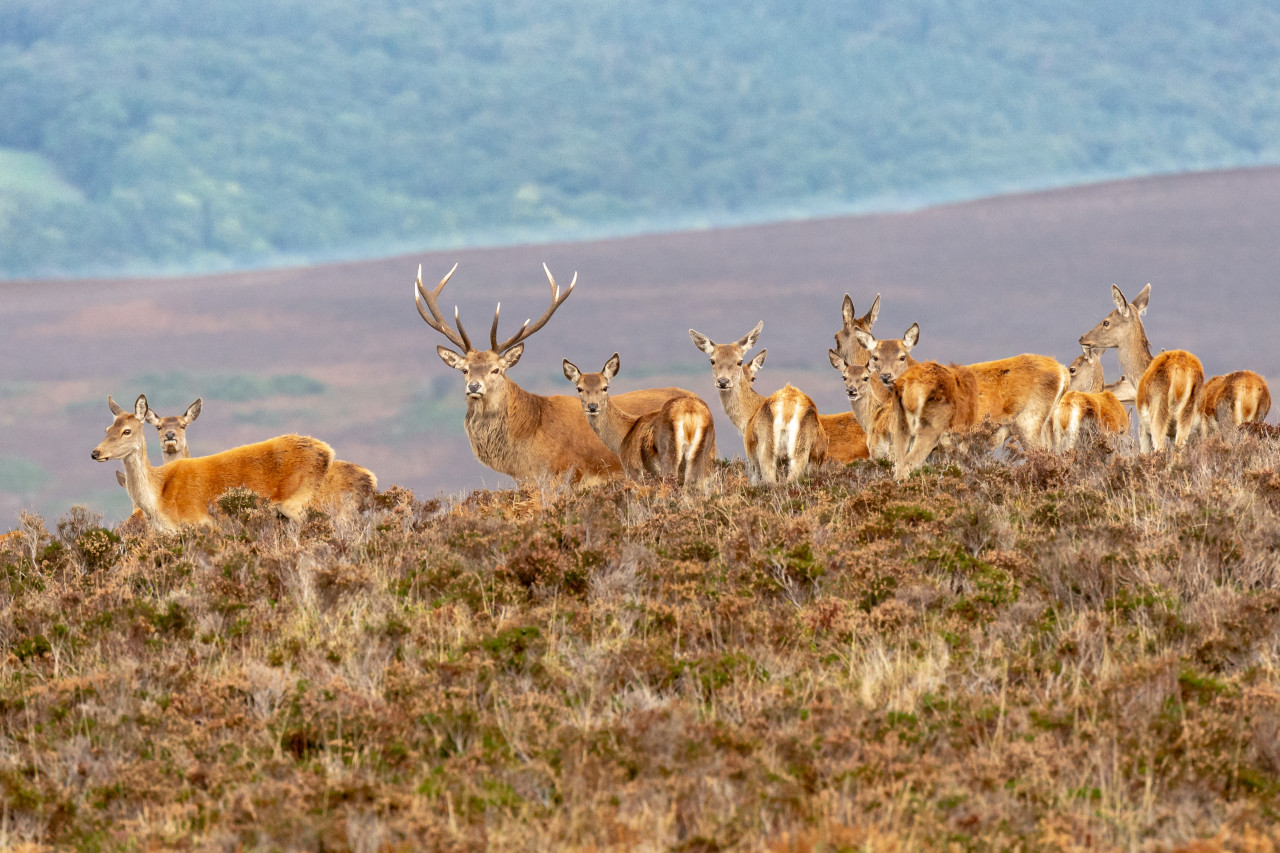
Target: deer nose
852, 392
593, 408
94, 455
170, 435
722, 383
886, 378
473, 387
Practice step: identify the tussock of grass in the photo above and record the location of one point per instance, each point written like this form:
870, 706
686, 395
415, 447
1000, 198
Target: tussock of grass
1048, 652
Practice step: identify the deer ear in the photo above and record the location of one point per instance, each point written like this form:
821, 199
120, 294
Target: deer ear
193, 411
846, 310
152, 418
509, 358
756, 363
571, 371
749, 339
1122, 304
701, 341
867, 340
837, 360
113, 405
912, 337
1140, 301
612, 366
450, 357
871, 315
120, 477
140, 407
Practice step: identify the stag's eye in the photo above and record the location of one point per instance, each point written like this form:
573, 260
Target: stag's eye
495, 370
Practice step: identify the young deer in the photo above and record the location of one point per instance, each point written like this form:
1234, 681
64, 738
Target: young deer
1087, 401
845, 438
1234, 399
1169, 385
869, 399
888, 358
513, 431
287, 470
677, 440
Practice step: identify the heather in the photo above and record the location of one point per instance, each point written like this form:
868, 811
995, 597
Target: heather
1031, 651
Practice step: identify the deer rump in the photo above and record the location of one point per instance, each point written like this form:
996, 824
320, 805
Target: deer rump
287, 471
784, 437
672, 441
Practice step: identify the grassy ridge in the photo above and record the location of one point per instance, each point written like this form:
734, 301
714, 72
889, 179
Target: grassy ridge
1048, 651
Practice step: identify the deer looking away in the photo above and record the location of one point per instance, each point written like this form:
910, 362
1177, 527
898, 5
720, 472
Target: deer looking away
1234, 399
1169, 384
287, 470
515, 432
1087, 403
782, 433
678, 440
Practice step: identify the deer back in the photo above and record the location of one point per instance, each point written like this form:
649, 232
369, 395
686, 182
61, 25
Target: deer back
1234, 399
846, 440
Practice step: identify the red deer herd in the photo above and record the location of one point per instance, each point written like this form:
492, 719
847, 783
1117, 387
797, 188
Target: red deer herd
901, 409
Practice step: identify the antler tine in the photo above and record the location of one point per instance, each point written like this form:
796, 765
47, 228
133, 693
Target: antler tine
457, 321
557, 298
436, 319
493, 330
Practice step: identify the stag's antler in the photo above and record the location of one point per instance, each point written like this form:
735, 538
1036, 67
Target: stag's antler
436, 320
526, 330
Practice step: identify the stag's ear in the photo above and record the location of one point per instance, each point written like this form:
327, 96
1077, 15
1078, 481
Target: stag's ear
140, 407
837, 360
114, 406
1122, 304
152, 418
612, 366
846, 310
509, 358
912, 337
1140, 301
571, 371
193, 411
450, 357
702, 342
748, 340
867, 340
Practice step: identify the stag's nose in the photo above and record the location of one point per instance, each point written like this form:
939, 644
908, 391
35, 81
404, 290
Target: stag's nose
722, 383
473, 387
593, 408
94, 454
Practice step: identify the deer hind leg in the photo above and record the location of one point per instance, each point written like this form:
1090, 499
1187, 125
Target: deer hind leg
920, 444
1185, 420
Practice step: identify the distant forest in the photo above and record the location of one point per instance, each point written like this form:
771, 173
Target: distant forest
164, 136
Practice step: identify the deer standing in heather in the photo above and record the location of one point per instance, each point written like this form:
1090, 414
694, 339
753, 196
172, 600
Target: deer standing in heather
287, 471
1087, 402
678, 440
523, 435
1234, 399
788, 437
1169, 384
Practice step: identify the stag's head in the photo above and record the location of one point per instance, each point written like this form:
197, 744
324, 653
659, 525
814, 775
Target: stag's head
1124, 323
727, 360
593, 388
889, 358
125, 436
847, 344
484, 372
173, 429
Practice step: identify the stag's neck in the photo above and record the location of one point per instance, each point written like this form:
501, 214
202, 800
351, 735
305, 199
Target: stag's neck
613, 426
740, 403
1135, 353
139, 482
495, 427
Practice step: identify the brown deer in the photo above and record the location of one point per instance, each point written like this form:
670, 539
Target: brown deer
784, 438
889, 358
515, 432
930, 400
1087, 401
1169, 384
1086, 370
173, 433
1234, 399
848, 346
287, 470
678, 440
846, 441
869, 399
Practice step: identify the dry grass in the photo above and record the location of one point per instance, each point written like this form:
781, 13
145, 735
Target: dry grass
1042, 652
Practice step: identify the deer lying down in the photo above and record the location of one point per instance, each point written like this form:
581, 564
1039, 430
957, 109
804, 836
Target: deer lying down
678, 440
287, 470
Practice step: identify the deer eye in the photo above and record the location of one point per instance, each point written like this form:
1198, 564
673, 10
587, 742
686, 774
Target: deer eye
739, 362
126, 432
604, 390
495, 370
1072, 369
1106, 323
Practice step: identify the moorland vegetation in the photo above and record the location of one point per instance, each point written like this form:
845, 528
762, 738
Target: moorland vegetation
1053, 651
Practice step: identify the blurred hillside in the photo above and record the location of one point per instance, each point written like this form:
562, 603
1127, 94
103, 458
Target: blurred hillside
144, 136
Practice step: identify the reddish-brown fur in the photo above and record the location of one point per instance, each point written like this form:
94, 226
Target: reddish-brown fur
287, 471
929, 401
784, 438
347, 488
846, 440
1078, 409
1234, 399
1021, 392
